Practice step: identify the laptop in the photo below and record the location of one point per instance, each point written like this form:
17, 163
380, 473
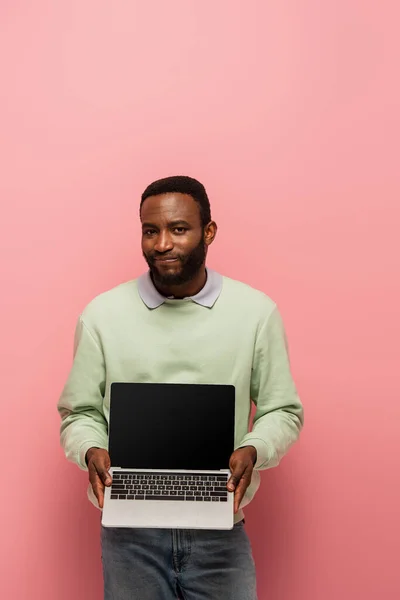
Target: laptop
170, 446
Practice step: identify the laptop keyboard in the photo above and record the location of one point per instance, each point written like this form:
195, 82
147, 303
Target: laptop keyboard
189, 487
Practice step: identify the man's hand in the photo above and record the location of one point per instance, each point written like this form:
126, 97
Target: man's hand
241, 465
98, 462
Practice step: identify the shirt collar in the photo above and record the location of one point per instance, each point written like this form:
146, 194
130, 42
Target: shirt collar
206, 297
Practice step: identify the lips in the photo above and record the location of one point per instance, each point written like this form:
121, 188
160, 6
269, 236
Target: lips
166, 260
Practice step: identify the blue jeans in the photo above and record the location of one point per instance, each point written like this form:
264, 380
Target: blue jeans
165, 564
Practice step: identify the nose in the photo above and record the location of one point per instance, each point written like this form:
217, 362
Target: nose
164, 242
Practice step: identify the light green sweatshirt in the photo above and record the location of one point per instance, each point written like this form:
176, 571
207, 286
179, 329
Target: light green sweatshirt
239, 340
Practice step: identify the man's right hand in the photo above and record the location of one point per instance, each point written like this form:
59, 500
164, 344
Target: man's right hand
98, 462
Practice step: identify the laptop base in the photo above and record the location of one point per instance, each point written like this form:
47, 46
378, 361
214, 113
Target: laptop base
168, 514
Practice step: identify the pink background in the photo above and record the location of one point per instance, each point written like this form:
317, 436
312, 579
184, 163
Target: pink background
289, 113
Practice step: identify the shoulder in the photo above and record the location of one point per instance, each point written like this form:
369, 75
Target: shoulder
243, 295
111, 301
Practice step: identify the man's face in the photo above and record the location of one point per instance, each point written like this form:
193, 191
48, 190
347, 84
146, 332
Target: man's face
173, 239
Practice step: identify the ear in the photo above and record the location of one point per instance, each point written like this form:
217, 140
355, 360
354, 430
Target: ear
210, 231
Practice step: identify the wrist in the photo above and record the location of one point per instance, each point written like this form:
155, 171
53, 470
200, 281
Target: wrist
89, 454
252, 451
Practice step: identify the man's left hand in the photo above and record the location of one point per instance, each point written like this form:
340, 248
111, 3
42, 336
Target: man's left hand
241, 465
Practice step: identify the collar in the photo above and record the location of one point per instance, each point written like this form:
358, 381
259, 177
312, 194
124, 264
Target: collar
206, 297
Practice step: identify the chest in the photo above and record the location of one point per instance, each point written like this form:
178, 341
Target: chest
199, 352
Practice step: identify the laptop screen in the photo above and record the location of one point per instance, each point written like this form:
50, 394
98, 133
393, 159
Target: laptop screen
171, 426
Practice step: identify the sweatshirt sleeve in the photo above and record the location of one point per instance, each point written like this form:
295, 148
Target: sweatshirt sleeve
83, 424
279, 413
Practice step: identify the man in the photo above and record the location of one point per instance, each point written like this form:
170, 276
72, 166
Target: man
181, 322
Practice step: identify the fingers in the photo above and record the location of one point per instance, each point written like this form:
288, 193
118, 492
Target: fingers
241, 466
99, 476
97, 486
237, 467
242, 487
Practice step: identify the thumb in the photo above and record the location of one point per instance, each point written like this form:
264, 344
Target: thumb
102, 471
233, 480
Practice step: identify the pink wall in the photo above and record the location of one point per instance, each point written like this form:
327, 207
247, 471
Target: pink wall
289, 112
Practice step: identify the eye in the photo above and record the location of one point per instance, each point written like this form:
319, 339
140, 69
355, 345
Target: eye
149, 232
179, 230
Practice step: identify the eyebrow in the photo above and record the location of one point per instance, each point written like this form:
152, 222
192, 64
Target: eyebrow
170, 224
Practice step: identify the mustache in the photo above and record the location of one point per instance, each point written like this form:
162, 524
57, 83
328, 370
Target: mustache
154, 256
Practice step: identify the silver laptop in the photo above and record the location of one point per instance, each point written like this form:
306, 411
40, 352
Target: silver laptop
170, 446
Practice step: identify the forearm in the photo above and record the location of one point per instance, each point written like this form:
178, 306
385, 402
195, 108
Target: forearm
79, 432
272, 435
83, 424
279, 415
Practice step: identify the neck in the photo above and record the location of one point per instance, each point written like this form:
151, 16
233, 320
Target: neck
184, 290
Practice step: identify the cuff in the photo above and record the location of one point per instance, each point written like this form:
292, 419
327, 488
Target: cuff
263, 452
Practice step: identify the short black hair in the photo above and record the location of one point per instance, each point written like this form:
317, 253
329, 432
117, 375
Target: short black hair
183, 185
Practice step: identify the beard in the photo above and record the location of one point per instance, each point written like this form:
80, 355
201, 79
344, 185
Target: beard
190, 266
